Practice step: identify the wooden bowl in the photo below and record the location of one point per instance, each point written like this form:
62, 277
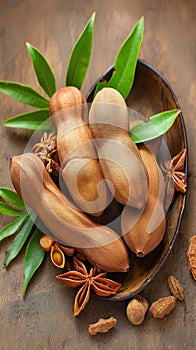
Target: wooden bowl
152, 94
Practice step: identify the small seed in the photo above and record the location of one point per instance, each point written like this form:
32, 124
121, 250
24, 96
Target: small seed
57, 256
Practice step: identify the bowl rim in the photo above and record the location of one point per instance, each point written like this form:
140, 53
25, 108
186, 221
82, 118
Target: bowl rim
179, 220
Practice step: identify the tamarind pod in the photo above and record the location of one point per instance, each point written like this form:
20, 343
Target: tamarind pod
119, 157
101, 245
144, 229
69, 114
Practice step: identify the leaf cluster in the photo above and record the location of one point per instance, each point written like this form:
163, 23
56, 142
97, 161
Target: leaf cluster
23, 228
122, 80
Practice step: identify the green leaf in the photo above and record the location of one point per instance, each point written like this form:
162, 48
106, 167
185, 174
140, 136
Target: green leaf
80, 56
7, 210
11, 228
156, 126
31, 120
24, 93
11, 197
43, 71
34, 256
20, 239
125, 63
100, 85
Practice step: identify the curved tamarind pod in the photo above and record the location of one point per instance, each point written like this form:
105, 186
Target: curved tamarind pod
101, 245
119, 157
80, 167
144, 229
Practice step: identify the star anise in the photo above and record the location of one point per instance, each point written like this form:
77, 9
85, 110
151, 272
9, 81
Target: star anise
46, 145
95, 279
174, 176
46, 150
57, 250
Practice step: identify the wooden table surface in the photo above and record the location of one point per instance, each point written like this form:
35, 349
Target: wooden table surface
44, 320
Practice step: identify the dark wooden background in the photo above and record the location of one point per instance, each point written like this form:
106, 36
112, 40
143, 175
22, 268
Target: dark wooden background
44, 319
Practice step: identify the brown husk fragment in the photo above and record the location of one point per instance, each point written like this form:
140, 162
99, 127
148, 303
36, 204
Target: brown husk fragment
102, 325
175, 288
191, 254
163, 306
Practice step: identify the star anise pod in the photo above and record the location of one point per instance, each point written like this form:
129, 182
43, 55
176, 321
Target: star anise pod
57, 250
46, 150
52, 163
46, 145
95, 279
174, 176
